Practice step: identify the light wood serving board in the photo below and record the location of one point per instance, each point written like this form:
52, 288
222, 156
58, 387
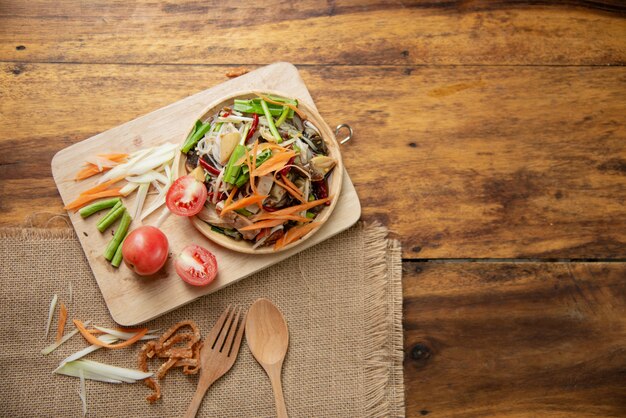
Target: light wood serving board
131, 299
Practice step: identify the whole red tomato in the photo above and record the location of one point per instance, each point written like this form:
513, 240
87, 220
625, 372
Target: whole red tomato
145, 250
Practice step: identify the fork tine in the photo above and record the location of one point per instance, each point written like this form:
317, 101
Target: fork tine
225, 330
231, 334
215, 331
234, 349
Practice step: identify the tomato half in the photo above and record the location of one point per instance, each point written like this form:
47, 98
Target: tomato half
196, 265
186, 196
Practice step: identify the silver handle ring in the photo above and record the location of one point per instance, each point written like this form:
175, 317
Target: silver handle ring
344, 126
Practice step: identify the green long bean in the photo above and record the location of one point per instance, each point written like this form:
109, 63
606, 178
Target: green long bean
89, 210
119, 235
110, 217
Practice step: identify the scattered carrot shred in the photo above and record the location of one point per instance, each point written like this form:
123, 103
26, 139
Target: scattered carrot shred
274, 163
114, 157
83, 200
102, 187
295, 234
242, 203
230, 197
62, 321
291, 191
93, 340
89, 171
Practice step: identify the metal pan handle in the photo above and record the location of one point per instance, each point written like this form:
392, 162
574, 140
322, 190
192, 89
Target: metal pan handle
344, 127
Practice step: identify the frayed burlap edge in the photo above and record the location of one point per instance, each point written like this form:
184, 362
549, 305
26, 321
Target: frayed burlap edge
383, 376
37, 233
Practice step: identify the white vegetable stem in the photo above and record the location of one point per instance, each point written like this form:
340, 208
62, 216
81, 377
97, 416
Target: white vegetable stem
101, 372
140, 199
53, 304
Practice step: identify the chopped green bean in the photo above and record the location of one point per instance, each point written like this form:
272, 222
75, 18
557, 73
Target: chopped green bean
110, 217
120, 233
98, 206
117, 258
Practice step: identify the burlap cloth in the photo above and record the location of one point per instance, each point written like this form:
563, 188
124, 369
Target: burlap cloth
342, 300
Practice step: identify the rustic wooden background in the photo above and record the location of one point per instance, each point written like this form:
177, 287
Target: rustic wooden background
490, 139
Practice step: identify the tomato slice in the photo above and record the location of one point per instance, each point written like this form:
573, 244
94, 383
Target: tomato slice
186, 196
196, 265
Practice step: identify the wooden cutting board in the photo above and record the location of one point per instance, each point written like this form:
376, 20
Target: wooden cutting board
131, 299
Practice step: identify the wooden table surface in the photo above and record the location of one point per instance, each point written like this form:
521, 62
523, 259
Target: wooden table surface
490, 139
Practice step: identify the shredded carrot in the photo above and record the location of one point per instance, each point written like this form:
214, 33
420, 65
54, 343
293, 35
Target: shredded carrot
95, 331
62, 321
89, 171
263, 224
270, 215
114, 157
242, 203
102, 187
255, 150
289, 105
299, 208
274, 163
230, 196
271, 145
93, 340
291, 191
83, 200
295, 234
290, 184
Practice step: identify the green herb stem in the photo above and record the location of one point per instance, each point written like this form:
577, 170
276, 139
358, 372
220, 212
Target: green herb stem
270, 122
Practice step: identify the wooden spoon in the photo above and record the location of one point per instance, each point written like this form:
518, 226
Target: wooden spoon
268, 338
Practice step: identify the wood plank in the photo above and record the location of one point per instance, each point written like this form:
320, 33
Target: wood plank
346, 32
477, 162
515, 339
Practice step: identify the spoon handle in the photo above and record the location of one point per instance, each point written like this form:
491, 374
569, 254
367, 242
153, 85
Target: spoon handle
281, 408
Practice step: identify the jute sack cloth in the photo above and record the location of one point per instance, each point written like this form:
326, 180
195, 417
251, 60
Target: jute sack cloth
342, 300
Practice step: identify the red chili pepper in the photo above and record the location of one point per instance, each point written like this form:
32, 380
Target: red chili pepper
208, 167
320, 189
255, 123
226, 114
222, 196
268, 209
286, 170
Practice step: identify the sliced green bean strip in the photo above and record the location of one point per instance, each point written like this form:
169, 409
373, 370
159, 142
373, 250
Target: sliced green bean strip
111, 217
117, 258
98, 206
120, 233
270, 122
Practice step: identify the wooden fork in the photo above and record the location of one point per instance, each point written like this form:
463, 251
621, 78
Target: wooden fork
218, 353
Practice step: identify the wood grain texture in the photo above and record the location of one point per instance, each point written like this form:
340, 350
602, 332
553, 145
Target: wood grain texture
478, 162
515, 339
349, 32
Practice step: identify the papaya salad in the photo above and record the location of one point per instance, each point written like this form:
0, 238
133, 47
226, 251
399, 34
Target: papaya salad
264, 169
